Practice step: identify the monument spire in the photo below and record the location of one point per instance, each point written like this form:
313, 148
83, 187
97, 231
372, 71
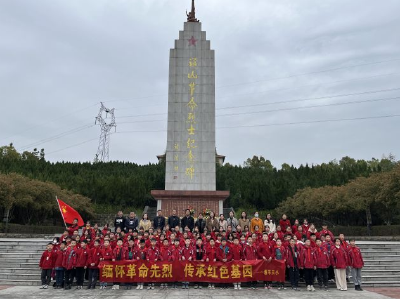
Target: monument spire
191, 16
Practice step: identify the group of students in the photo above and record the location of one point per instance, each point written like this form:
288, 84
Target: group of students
306, 252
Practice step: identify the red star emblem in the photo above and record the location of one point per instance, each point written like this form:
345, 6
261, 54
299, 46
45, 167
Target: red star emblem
192, 41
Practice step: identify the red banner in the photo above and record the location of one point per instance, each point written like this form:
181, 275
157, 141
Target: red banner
213, 272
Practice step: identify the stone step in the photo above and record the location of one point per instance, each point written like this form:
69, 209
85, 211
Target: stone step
20, 270
381, 267
389, 257
36, 255
366, 253
380, 272
366, 278
17, 260
23, 247
26, 250
381, 262
19, 276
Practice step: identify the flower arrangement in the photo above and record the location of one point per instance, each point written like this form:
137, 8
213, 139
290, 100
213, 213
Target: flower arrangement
191, 209
206, 213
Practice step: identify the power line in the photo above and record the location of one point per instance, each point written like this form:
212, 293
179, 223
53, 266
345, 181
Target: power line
313, 121
277, 102
311, 73
63, 134
250, 126
309, 107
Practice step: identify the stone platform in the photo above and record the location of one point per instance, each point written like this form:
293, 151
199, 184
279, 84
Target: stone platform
35, 292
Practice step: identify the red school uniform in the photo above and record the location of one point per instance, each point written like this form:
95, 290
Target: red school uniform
153, 254
264, 250
339, 258
249, 253
140, 253
294, 228
308, 258
325, 232
237, 252
59, 258
284, 224
82, 258
119, 253
188, 253
107, 253
292, 255
130, 253
47, 260
94, 258
355, 258
224, 252
70, 258
276, 249
165, 253
71, 229
322, 255
211, 253
175, 253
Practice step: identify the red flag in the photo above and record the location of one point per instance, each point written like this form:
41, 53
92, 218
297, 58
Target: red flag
69, 214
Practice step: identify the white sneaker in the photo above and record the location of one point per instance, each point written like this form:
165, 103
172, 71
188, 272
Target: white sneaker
113, 287
138, 287
309, 288
239, 287
235, 287
312, 289
141, 287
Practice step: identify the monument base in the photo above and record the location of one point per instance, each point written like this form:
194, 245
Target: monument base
168, 200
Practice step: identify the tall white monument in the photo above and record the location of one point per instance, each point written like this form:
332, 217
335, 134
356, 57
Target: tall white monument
191, 154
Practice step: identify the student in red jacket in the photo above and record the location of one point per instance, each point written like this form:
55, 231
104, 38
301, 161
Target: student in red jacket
93, 264
58, 265
250, 254
264, 253
323, 263
356, 263
106, 255
46, 264
284, 223
339, 261
279, 253
211, 256
74, 227
309, 264
292, 264
153, 255
81, 264
187, 254
237, 254
69, 264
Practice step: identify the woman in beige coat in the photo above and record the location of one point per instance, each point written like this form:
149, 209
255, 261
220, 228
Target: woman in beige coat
243, 221
145, 222
212, 223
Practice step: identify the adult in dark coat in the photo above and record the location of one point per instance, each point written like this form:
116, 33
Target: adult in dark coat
119, 221
174, 220
131, 222
200, 223
159, 221
187, 220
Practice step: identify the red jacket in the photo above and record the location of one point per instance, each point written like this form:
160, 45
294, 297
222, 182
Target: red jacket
308, 259
323, 260
224, 253
284, 224
47, 260
264, 250
175, 253
71, 229
292, 254
211, 253
165, 253
237, 252
70, 258
153, 254
94, 257
339, 258
329, 246
119, 253
355, 258
140, 253
83, 257
249, 253
326, 232
59, 259
188, 252
107, 254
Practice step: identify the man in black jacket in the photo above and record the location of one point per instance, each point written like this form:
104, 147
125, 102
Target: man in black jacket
131, 222
119, 221
159, 221
187, 221
174, 220
200, 223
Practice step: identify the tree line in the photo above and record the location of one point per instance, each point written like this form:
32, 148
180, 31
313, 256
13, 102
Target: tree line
256, 184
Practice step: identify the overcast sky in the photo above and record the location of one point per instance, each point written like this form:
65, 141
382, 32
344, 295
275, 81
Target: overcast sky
59, 59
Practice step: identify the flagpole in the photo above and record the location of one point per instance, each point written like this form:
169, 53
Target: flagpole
61, 212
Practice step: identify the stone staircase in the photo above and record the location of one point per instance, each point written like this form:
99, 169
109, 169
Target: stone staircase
19, 262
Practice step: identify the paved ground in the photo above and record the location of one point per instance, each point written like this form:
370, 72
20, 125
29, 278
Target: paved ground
36, 293
390, 292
